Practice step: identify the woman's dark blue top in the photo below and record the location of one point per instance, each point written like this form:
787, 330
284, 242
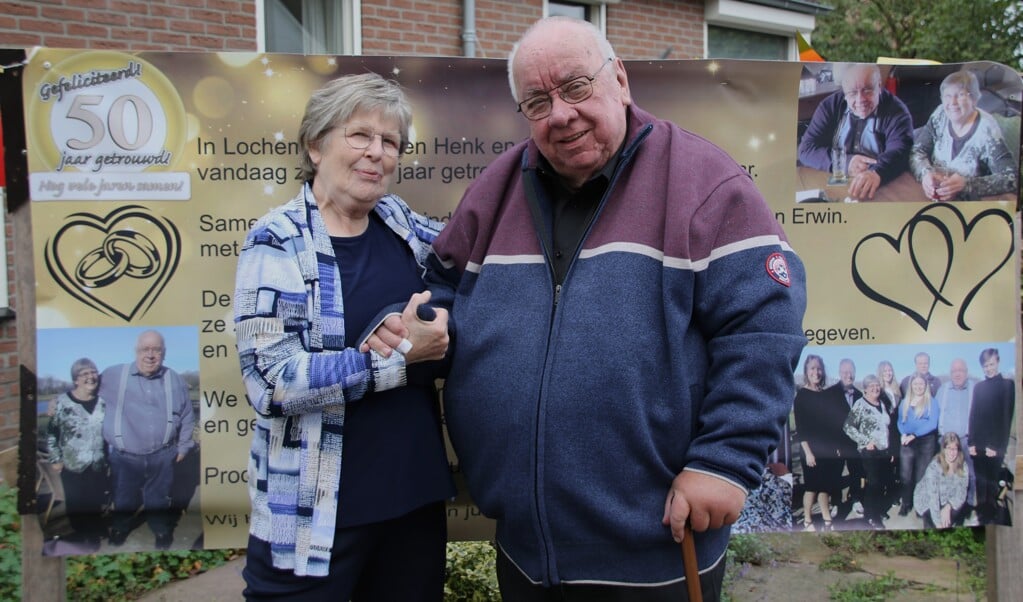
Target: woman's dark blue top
393, 456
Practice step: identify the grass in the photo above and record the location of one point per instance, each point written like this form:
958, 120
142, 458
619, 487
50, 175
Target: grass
874, 590
964, 545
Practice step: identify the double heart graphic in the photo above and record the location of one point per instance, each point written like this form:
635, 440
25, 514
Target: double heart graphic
117, 264
937, 257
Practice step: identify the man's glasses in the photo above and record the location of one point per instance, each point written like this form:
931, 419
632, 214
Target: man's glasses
573, 92
864, 91
361, 138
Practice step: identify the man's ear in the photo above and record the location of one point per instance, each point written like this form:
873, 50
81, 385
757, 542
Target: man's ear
623, 81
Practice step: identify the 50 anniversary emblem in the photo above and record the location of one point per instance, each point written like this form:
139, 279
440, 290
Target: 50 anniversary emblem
117, 264
105, 126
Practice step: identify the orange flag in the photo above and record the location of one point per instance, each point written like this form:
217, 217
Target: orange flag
806, 51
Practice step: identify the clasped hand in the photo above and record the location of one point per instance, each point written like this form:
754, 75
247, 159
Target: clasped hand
864, 181
429, 339
706, 501
942, 188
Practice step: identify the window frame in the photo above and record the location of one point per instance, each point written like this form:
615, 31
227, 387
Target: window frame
756, 18
598, 11
349, 30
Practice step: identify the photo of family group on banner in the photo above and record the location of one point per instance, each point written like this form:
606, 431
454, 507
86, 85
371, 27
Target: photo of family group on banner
897, 186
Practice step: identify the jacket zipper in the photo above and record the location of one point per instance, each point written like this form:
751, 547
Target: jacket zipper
558, 288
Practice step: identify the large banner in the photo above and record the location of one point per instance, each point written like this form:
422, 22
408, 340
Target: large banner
147, 170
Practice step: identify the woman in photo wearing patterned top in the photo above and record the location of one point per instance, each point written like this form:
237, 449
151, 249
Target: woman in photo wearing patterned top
867, 425
960, 154
74, 439
941, 495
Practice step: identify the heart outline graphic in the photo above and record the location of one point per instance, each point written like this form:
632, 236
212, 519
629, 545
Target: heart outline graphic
929, 215
163, 256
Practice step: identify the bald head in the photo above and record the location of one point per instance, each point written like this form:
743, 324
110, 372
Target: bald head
575, 93
958, 372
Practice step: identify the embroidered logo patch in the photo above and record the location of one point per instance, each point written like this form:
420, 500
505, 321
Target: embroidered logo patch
778, 269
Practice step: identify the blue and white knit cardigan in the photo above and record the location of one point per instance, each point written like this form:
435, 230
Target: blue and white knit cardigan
289, 323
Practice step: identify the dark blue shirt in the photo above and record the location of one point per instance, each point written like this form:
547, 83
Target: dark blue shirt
393, 457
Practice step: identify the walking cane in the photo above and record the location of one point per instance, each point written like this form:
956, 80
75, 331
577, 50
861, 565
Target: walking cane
691, 565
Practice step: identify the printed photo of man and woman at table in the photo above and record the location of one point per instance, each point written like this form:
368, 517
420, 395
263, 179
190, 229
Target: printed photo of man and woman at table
935, 133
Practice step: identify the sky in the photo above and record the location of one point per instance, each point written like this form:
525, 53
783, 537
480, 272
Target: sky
58, 348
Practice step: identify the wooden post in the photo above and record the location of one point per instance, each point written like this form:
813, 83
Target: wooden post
1004, 546
42, 578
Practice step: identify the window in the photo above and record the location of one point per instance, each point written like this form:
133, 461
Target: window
568, 9
310, 26
728, 43
757, 29
594, 11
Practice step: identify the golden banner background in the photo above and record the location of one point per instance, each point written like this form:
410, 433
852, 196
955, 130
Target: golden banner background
221, 152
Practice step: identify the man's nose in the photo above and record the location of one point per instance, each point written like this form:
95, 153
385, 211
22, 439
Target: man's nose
561, 111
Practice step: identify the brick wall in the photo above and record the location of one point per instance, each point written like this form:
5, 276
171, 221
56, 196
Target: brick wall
638, 29
126, 24
644, 29
418, 27
500, 24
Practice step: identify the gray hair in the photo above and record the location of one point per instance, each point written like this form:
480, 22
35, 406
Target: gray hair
965, 80
870, 379
599, 39
337, 100
81, 365
843, 69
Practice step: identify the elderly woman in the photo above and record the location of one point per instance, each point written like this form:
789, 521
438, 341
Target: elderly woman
347, 472
74, 439
940, 496
867, 425
960, 153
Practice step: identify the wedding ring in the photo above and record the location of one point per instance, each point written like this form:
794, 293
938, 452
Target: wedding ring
404, 347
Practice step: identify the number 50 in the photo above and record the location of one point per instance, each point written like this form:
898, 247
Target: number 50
79, 110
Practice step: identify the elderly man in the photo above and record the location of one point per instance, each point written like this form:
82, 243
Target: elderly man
628, 318
871, 124
147, 428
846, 385
845, 390
922, 362
955, 400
